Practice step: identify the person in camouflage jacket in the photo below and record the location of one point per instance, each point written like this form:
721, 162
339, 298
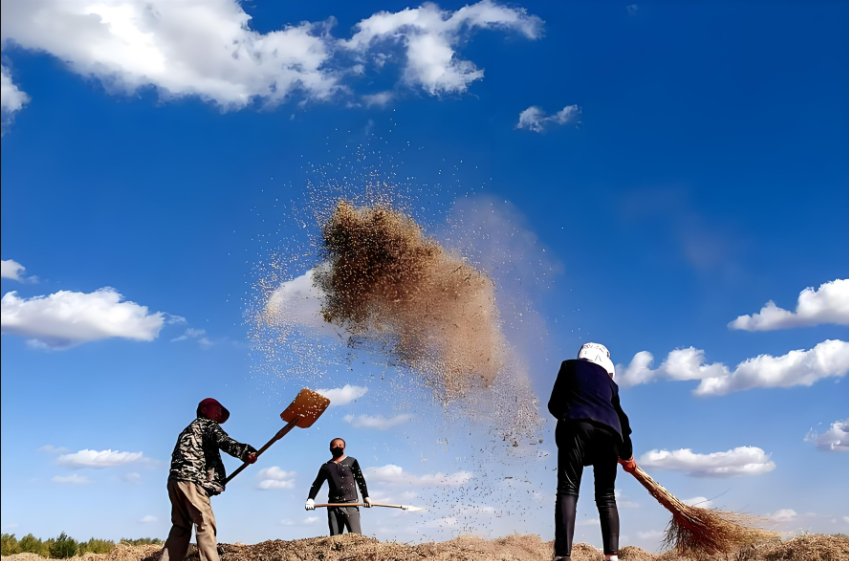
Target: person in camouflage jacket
197, 473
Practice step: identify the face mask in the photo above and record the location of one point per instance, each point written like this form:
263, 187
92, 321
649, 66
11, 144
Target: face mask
337, 452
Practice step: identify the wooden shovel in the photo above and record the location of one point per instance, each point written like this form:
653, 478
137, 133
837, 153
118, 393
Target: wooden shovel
402, 507
303, 412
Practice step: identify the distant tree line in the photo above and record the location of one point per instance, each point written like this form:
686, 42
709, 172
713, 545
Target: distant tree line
63, 546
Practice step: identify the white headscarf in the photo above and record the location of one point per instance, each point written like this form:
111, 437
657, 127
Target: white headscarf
597, 354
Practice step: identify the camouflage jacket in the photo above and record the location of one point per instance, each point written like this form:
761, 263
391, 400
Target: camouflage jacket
196, 456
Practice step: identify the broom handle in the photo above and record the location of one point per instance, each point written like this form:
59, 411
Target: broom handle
657, 491
280, 434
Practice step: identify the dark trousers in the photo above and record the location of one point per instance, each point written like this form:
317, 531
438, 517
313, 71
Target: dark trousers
341, 517
582, 444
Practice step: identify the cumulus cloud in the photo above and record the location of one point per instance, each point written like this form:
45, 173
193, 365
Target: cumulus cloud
344, 395
207, 49
745, 460
430, 37
99, 459
701, 502
11, 270
12, 100
783, 515
72, 479
273, 478
149, 519
534, 118
66, 319
828, 304
395, 475
835, 439
378, 422
829, 359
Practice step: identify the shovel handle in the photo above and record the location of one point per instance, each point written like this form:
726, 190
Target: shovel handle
357, 504
280, 434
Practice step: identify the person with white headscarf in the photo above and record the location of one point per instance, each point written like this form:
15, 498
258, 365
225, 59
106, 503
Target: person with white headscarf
592, 430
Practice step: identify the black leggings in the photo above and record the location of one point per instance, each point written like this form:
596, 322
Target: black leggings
582, 444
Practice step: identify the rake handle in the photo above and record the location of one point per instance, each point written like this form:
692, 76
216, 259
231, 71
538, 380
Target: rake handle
280, 434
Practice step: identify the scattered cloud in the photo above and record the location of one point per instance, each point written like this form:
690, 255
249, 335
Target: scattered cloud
797, 368
133, 478
100, 459
380, 99
632, 9
745, 460
828, 304
209, 51
651, 535
12, 100
835, 439
783, 515
149, 519
344, 395
72, 479
50, 449
446, 522
589, 522
297, 303
429, 38
846, 519
309, 520
392, 474
534, 118
701, 502
621, 501
273, 478
12, 270
66, 319
198, 335
378, 422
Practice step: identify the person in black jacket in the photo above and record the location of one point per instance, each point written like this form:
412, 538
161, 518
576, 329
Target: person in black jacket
343, 476
591, 430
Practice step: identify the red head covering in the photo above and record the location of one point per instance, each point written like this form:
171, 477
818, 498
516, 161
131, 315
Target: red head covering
210, 409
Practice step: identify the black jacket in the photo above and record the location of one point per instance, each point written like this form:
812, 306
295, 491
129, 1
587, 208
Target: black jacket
585, 392
343, 478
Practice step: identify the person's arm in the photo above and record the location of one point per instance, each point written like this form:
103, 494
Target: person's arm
227, 444
558, 404
319, 481
358, 477
626, 449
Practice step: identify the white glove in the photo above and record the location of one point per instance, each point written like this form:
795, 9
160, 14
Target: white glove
368, 502
310, 505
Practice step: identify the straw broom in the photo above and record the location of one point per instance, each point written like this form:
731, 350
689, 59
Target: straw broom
702, 531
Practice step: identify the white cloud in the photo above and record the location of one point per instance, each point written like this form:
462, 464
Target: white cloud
193, 48
66, 319
745, 460
344, 395
99, 459
446, 522
297, 304
632, 9
828, 304
133, 478
797, 368
12, 100
10, 269
534, 118
783, 515
392, 474
72, 479
622, 503
380, 99
846, 519
309, 520
378, 422
701, 502
50, 449
651, 535
198, 335
273, 478
149, 519
589, 522
835, 439
430, 37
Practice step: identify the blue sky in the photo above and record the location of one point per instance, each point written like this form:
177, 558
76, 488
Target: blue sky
685, 164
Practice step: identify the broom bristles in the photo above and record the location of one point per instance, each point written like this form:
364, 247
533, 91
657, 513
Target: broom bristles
703, 531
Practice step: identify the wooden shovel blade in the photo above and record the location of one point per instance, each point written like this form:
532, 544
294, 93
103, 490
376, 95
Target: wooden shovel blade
307, 408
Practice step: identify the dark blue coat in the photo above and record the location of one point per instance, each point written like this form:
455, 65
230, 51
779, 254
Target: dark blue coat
585, 392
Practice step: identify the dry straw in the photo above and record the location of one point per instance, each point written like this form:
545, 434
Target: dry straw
702, 531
